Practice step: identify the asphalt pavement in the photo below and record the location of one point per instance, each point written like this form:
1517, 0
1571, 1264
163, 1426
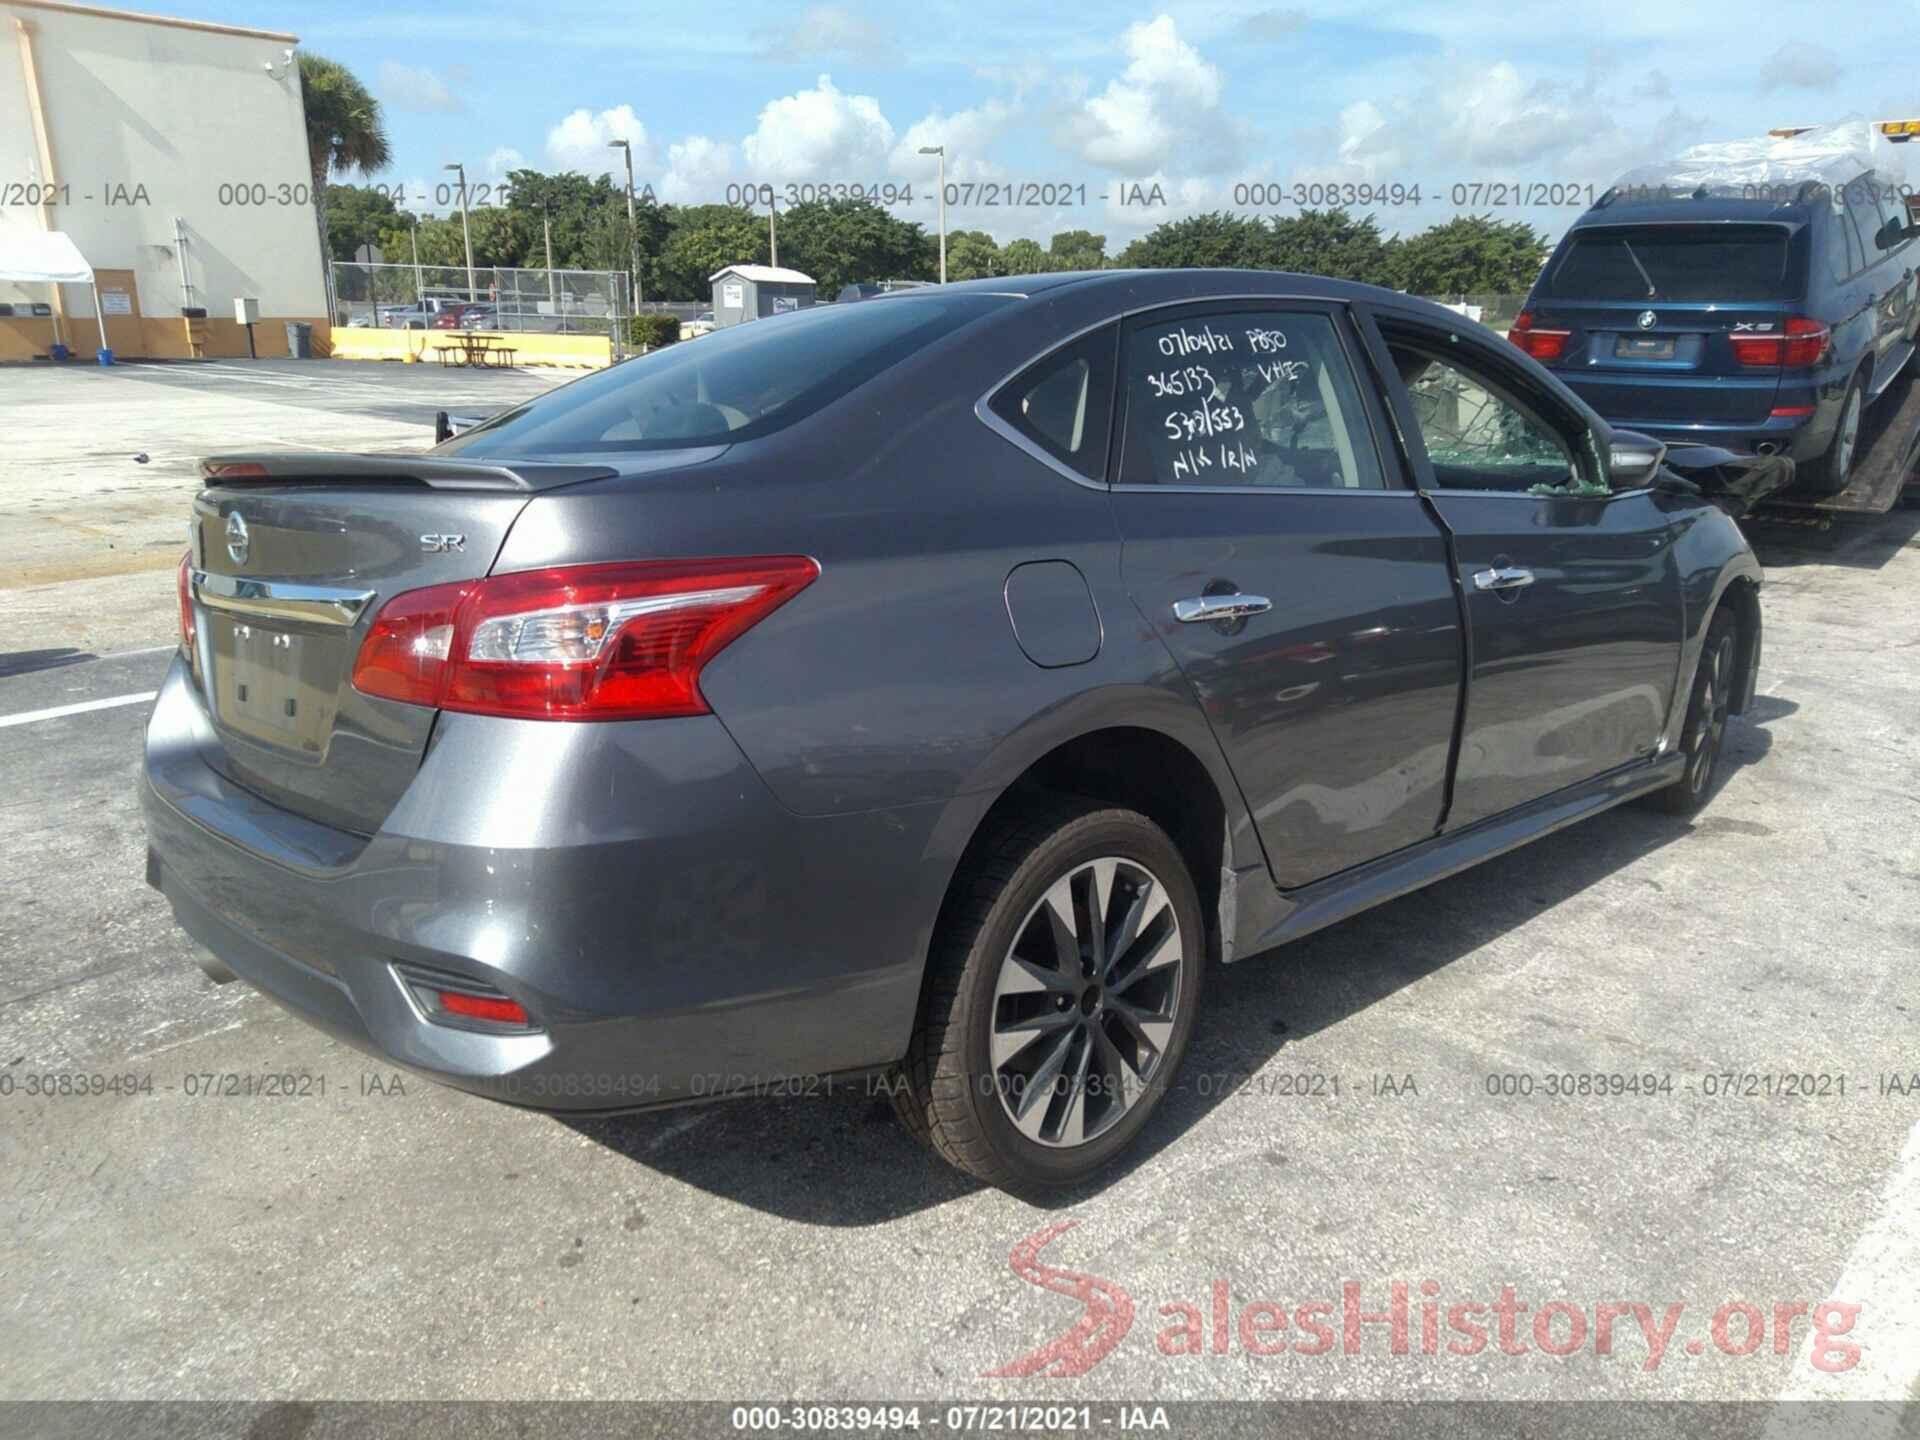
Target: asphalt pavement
242, 1208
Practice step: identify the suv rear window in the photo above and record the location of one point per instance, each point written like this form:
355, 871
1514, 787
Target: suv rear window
1682, 262
735, 384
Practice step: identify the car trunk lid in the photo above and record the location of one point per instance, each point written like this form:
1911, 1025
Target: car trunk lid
291, 558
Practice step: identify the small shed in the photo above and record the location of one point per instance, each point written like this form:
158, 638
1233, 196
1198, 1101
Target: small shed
751, 292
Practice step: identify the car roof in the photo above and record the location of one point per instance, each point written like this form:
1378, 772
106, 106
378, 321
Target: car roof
1146, 289
1153, 286
1707, 210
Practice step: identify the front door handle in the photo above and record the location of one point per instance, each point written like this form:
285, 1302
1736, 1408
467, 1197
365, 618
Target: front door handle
1220, 607
1503, 579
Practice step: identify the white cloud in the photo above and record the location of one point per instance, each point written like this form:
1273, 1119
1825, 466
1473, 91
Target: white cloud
504, 160
1162, 111
968, 135
830, 32
820, 134
697, 171
1800, 67
1265, 26
408, 87
580, 141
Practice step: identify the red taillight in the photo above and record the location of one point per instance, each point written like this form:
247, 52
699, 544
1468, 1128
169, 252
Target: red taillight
1540, 344
482, 1007
233, 470
185, 586
1791, 412
583, 642
1804, 342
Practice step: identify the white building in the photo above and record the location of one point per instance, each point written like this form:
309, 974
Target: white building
173, 154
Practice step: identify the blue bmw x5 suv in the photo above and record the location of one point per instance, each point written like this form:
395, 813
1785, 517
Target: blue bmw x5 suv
1762, 318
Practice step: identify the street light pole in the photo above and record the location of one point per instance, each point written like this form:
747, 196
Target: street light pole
419, 281
466, 231
633, 235
773, 239
941, 151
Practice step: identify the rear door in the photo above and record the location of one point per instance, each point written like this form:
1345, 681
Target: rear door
1572, 591
1272, 541
1650, 312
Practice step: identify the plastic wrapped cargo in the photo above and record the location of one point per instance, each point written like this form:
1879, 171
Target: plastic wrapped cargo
1770, 166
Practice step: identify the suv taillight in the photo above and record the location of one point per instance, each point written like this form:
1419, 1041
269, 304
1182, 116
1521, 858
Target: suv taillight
1540, 344
185, 585
581, 642
1804, 342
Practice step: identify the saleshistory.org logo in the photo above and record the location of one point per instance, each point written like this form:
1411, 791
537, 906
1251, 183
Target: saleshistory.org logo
1414, 1315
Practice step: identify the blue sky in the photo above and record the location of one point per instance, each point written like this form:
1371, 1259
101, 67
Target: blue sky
1201, 100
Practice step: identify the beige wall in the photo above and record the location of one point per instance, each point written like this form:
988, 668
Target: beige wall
180, 110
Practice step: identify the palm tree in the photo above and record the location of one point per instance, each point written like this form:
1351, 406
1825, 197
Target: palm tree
345, 131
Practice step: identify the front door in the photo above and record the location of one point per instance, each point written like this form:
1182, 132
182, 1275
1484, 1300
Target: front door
1572, 590
1272, 540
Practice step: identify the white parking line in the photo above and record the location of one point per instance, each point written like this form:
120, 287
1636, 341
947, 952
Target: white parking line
28, 717
1879, 1278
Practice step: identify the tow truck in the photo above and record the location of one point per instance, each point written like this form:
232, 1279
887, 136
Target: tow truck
1888, 466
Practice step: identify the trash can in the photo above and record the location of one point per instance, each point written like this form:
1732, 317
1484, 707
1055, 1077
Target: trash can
299, 340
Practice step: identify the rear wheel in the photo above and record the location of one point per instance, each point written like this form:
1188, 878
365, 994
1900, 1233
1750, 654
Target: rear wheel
1704, 733
1832, 470
1060, 995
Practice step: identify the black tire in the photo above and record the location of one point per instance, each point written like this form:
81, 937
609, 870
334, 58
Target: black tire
948, 1091
1703, 735
1829, 474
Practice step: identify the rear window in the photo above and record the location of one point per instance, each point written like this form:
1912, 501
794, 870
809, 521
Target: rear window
735, 384
1677, 263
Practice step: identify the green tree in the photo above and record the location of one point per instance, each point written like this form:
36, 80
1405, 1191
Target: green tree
840, 241
1023, 257
1334, 244
1077, 250
345, 130
1212, 239
1470, 255
358, 216
703, 239
972, 255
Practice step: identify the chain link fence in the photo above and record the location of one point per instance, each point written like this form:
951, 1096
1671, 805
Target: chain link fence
451, 297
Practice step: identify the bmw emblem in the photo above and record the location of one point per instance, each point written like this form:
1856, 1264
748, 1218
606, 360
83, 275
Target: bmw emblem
1646, 320
237, 540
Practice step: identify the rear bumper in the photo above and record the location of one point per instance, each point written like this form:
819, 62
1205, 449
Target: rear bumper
674, 933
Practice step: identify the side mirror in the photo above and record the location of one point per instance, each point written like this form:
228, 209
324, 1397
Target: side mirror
1894, 233
1633, 459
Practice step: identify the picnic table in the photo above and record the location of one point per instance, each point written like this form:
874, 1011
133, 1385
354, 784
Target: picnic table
476, 347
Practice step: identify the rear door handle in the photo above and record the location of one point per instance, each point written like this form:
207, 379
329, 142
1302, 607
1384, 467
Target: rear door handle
1506, 579
1220, 607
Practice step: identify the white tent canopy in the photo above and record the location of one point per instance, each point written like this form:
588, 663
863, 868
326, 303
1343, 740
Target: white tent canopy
46, 257
49, 257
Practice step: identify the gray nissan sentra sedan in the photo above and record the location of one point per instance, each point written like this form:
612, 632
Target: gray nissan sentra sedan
930, 688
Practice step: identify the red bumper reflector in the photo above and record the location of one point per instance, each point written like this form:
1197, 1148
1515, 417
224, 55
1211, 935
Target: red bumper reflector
1791, 412
482, 1007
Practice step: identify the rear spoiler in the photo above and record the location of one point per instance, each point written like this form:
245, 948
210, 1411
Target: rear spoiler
314, 467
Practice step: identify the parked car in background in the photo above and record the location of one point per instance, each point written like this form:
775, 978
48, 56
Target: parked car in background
1067, 634
407, 317
453, 315
701, 324
1762, 317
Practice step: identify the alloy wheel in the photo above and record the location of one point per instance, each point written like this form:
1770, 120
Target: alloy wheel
1849, 436
1710, 719
1085, 1002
